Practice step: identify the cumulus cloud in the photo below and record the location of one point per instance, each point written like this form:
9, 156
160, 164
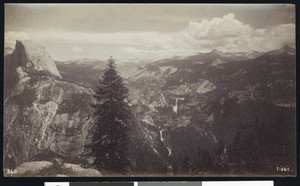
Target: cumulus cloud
217, 28
226, 33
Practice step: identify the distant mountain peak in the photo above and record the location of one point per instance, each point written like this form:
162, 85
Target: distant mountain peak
254, 51
287, 48
284, 49
215, 51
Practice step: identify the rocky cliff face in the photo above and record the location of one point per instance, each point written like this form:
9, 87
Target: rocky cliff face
33, 56
42, 113
28, 57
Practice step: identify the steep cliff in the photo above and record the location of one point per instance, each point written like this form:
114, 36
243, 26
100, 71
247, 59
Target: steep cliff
43, 114
28, 57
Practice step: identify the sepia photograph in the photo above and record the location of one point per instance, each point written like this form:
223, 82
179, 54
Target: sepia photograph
149, 90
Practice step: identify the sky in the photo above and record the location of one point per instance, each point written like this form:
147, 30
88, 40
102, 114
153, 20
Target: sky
149, 32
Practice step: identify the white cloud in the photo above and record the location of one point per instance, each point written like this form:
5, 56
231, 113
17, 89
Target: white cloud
225, 33
229, 34
76, 49
217, 28
131, 50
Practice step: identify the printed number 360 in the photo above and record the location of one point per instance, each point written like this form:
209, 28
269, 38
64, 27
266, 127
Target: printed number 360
11, 171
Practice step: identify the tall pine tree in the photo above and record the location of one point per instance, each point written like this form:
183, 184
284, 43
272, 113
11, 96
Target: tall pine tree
113, 117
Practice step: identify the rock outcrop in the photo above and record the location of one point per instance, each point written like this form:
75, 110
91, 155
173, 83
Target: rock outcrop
43, 113
27, 58
31, 55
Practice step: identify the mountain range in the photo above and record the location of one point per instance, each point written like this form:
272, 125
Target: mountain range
215, 113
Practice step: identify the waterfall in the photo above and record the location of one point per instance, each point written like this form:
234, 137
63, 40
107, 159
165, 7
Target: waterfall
163, 140
175, 107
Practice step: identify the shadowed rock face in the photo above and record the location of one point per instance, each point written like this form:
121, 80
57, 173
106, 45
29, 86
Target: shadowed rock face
31, 55
28, 57
41, 111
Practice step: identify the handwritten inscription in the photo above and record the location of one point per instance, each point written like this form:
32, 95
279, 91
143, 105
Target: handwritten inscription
283, 169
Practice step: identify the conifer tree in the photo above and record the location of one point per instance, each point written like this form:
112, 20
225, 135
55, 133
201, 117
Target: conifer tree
113, 115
